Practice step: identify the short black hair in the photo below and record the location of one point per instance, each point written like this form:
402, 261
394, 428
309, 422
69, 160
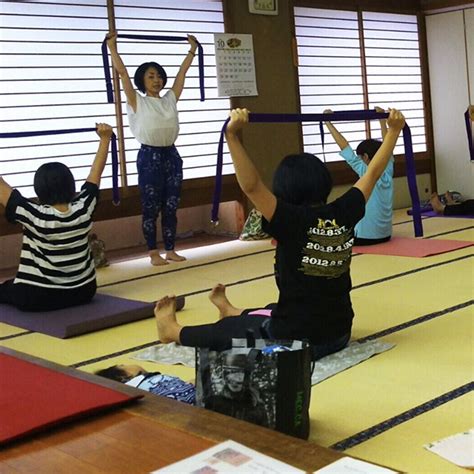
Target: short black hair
369, 147
234, 362
302, 179
114, 373
54, 184
138, 78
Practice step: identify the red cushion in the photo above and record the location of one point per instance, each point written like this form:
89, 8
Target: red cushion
34, 397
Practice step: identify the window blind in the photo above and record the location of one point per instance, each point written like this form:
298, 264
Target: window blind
394, 70
330, 57
51, 77
330, 74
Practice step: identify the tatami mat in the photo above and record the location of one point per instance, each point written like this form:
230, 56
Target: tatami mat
7, 331
414, 295
196, 258
411, 373
434, 226
422, 305
401, 446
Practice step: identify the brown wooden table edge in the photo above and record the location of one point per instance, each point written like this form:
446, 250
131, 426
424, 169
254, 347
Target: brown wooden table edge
209, 425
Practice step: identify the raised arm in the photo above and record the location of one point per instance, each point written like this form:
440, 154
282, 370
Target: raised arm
105, 132
247, 175
377, 165
383, 122
5, 191
181, 76
340, 140
119, 66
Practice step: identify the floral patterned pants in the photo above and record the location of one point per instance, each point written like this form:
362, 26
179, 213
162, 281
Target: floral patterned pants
160, 175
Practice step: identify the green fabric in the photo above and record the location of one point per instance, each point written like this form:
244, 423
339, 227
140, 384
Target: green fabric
97, 247
253, 227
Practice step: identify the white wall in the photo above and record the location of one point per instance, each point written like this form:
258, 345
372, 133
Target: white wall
451, 69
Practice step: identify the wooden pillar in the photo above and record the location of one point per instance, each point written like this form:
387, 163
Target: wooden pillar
363, 61
118, 103
425, 81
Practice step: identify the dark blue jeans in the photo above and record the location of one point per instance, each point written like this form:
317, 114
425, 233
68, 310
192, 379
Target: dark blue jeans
160, 175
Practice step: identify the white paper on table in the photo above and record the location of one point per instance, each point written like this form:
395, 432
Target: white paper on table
458, 449
229, 457
353, 466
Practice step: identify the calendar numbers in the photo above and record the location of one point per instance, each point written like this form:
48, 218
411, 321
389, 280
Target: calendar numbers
263, 7
235, 65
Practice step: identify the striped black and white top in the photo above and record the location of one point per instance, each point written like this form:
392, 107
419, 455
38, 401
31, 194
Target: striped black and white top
55, 251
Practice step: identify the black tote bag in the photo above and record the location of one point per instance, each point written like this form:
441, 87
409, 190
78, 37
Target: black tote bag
262, 381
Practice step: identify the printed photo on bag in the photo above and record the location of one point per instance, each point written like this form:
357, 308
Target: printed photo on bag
237, 392
266, 382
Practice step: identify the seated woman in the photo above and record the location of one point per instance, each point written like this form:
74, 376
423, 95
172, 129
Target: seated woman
376, 225
56, 266
313, 254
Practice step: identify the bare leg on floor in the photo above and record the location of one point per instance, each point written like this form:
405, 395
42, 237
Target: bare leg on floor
165, 316
219, 299
436, 204
449, 198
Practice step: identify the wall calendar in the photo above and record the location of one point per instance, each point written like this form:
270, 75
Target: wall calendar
235, 65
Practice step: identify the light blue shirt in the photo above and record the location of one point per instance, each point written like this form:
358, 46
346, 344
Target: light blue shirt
377, 222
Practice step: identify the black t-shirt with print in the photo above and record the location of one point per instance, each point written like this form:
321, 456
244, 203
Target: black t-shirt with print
312, 262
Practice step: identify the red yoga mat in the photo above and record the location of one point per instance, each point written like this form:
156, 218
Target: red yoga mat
33, 398
410, 247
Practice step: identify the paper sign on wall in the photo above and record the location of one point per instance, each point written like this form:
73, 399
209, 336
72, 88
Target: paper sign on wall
235, 65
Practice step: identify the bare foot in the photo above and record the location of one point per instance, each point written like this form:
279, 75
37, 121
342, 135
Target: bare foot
156, 259
219, 299
449, 198
173, 256
165, 317
436, 204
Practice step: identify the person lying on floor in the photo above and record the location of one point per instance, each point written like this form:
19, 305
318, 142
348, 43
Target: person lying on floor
313, 253
450, 207
153, 382
56, 265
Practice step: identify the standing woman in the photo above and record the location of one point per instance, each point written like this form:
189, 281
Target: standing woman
154, 123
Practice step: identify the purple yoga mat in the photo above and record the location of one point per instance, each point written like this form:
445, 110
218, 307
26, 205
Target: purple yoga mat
103, 311
431, 213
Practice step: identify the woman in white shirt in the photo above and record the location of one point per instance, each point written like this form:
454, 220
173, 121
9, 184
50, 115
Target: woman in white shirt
154, 123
